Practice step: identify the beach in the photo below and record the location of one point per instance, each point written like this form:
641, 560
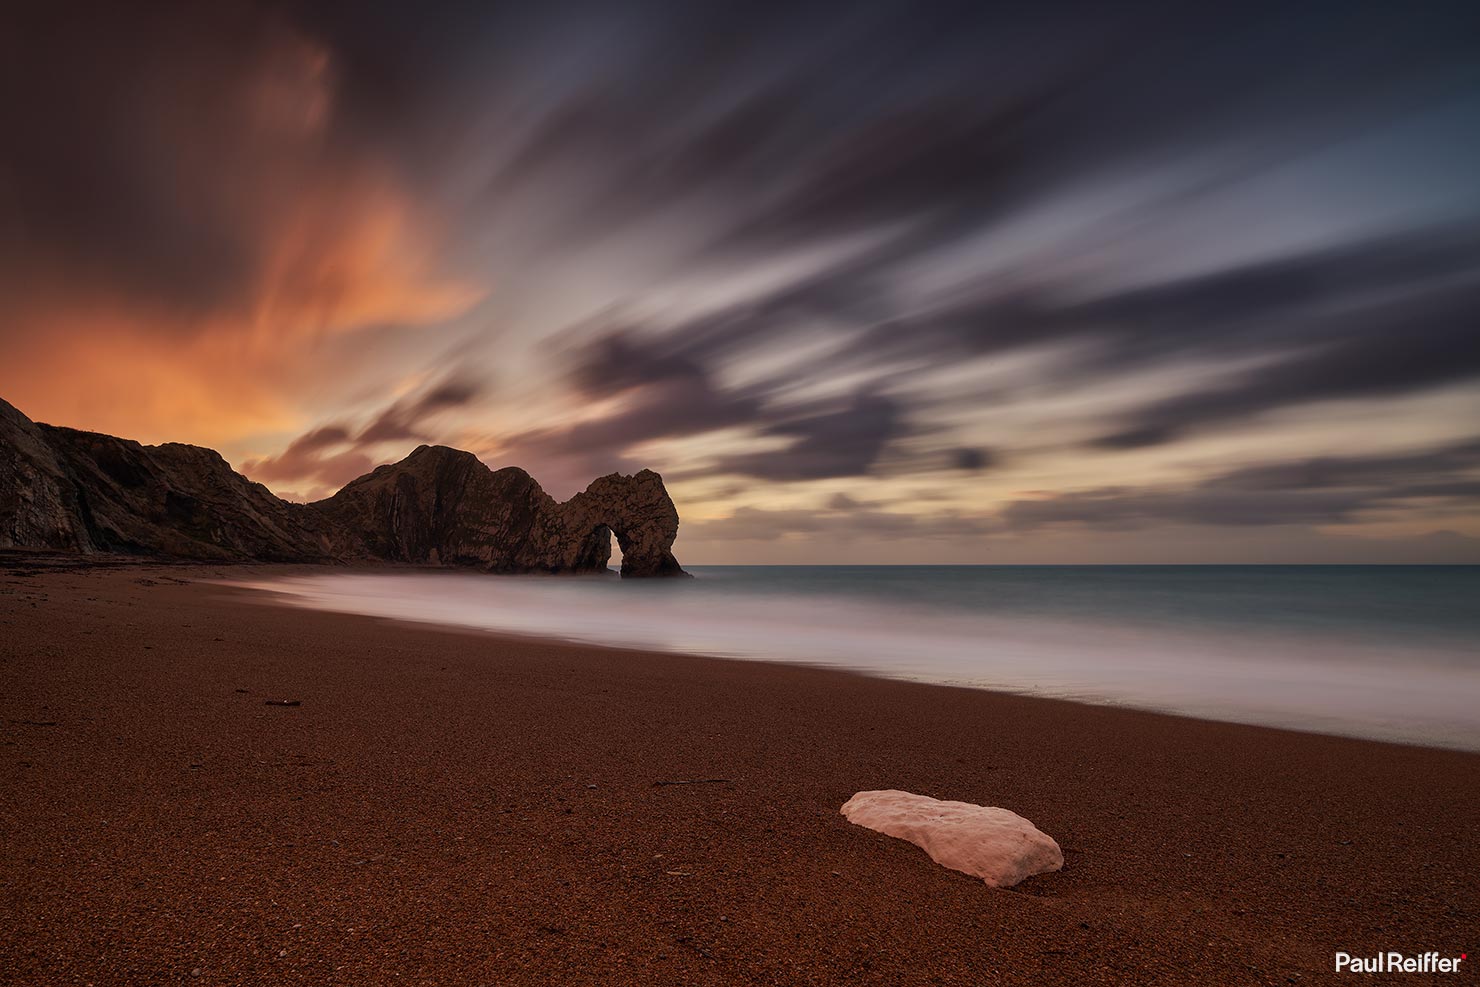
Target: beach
445, 807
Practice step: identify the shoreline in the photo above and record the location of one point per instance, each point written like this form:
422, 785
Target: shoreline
458, 806
259, 595
1439, 734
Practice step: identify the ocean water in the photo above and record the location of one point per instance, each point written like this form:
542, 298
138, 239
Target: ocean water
1385, 652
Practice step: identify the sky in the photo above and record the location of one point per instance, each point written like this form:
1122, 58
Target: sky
866, 282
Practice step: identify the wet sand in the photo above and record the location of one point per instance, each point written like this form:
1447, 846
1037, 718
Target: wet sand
446, 807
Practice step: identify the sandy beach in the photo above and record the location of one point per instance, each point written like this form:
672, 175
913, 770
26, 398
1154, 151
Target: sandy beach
445, 807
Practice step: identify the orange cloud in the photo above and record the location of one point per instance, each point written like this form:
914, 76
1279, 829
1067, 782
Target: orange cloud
180, 267
107, 372
350, 260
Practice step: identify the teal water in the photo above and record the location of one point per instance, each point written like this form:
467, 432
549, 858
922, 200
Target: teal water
1374, 603
1386, 652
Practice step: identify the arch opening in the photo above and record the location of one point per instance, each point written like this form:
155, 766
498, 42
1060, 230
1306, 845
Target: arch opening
601, 551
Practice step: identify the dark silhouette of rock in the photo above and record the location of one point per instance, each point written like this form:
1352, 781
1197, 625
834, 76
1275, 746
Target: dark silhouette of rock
443, 506
638, 510
38, 503
61, 488
183, 501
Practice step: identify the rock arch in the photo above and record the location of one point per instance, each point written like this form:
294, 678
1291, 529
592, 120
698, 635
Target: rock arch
638, 511
81, 491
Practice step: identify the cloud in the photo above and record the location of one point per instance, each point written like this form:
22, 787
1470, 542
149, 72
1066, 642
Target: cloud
662, 395
404, 420
1388, 349
972, 460
308, 458
850, 238
1318, 491
1415, 470
1131, 507
1381, 317
781, 127
848, 524
329, 456
829, 440
187, 219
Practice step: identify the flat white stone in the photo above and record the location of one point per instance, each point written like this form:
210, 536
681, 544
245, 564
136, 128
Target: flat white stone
996, 845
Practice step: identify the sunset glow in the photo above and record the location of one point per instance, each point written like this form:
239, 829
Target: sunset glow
964, 306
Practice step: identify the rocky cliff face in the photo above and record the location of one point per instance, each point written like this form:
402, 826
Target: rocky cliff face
184, 501
443, 506
637, 509
38, 503
81, 491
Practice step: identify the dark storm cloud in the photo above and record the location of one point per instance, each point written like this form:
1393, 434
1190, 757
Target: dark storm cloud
1319, 295
1316, 491
189, 218
665, 395
842, 523
670, 408
1385, 316
1422, 470
619, 361
404, 419
1130, 507
318, 440
160, 153
331, 455
971, 460
310, 457
1391, 350
99, 104
837, 439
925, 160
175, 155
1390, 315
784, 125
792, 124
668, 395
842, 502
1373, 318
1323, 490
946, 166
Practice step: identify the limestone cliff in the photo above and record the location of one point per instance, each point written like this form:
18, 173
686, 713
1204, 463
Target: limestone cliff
440, 505
186, 502
38, 503
82, 491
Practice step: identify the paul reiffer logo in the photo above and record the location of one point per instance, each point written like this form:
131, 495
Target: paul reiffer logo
1396, 962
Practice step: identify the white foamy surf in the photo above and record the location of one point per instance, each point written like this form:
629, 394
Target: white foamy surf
1302, 649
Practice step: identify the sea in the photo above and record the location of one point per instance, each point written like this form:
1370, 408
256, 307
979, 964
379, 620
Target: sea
1382, 652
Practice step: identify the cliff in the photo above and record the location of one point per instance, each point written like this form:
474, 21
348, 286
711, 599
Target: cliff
443, 506
77, 491
38, 501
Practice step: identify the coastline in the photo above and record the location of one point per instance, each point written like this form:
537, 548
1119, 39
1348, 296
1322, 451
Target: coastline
456, 806
1182, 658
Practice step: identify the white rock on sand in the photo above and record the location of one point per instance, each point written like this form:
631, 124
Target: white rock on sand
996, 845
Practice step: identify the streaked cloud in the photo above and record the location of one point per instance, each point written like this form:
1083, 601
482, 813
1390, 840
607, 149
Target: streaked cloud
923, 278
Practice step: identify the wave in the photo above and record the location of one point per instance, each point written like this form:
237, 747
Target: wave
1357, 684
